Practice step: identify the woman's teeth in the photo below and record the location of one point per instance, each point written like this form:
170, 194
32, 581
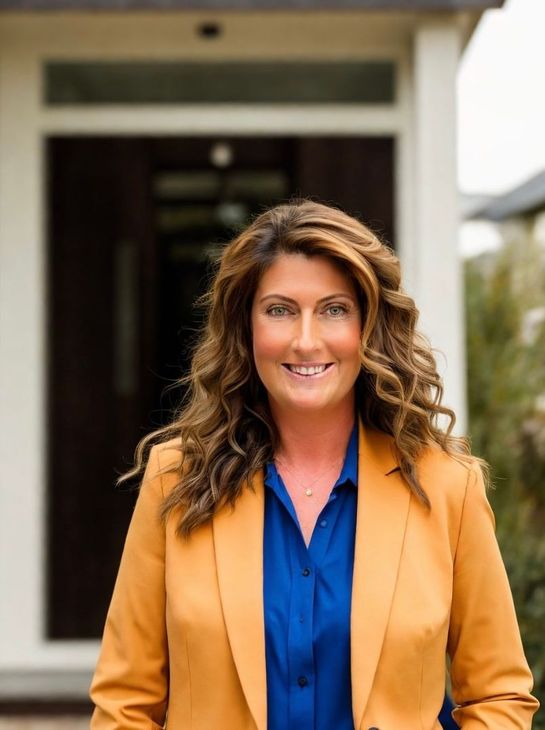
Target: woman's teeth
300, 370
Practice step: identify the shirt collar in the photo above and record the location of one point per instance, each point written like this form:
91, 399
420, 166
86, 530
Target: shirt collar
349, 471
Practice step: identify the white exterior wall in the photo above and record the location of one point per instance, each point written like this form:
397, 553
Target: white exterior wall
425, 218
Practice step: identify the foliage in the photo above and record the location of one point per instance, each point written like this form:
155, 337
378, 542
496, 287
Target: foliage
506, 393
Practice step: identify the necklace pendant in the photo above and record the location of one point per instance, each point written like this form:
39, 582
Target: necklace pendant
308, 492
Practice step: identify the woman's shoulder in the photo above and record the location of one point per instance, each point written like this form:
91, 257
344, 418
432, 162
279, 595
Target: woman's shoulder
444, 476
165, 461
168, 453
447, 476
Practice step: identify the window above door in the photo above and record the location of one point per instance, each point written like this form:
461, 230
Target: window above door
176, 82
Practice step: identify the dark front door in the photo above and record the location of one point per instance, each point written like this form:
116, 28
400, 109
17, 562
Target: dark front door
133, 224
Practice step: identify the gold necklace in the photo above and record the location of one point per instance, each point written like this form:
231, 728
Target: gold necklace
308, 489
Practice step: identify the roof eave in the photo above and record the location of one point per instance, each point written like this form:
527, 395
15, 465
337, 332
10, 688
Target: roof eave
472, 6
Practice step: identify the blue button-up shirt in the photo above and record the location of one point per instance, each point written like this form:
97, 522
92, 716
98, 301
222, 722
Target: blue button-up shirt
307, 594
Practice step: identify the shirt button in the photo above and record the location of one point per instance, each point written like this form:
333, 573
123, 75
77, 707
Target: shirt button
323, 523
305, 572
302, 681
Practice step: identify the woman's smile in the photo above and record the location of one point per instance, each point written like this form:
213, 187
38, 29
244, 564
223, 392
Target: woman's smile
308, 371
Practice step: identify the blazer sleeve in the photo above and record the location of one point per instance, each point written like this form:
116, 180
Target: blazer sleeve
491, 680
130, 684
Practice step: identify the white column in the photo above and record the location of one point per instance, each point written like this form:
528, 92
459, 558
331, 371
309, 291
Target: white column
23, 362
22, 307
438, 283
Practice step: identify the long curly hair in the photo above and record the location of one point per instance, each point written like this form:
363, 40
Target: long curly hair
223, 427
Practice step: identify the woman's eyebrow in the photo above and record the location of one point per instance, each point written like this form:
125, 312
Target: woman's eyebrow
323, 299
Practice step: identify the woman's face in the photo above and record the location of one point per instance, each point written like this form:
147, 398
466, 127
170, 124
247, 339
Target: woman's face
306, 326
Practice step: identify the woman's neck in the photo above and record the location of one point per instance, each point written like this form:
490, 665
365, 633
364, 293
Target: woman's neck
312, 440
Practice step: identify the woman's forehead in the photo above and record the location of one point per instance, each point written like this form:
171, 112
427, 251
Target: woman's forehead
298, 272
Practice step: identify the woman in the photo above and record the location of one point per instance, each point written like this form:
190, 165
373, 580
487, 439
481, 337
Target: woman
307, 544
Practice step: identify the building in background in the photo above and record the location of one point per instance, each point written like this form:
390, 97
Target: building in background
520, 212
515, 219
136, 137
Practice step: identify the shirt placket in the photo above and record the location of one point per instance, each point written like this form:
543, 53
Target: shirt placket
300, 643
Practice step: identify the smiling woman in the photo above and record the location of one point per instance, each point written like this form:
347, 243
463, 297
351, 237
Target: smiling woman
307, 545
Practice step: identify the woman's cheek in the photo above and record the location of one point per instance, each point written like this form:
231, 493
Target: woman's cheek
270, 342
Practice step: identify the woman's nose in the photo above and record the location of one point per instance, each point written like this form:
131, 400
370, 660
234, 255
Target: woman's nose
307, 335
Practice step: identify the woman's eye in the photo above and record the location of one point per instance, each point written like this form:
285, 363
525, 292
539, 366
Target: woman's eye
277, 311
337, 310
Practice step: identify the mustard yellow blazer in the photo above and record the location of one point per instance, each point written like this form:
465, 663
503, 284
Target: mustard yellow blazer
184, 643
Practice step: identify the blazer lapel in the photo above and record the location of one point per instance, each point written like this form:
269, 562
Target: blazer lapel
238, 546
383, 507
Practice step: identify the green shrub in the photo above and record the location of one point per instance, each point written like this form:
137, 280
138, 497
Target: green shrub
506, 389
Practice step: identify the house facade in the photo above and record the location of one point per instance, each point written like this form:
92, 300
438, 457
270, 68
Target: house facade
135, 138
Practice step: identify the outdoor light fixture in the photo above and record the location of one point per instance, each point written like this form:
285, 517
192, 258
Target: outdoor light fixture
221, 154
210, 29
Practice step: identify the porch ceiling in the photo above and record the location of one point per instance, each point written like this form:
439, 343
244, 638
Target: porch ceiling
399, 5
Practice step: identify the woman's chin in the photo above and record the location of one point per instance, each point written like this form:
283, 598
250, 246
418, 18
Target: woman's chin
308, 405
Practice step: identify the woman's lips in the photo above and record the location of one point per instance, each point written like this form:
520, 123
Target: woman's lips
310, 375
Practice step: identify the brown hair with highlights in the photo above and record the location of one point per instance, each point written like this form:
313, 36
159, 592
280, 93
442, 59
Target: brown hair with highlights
224, 429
